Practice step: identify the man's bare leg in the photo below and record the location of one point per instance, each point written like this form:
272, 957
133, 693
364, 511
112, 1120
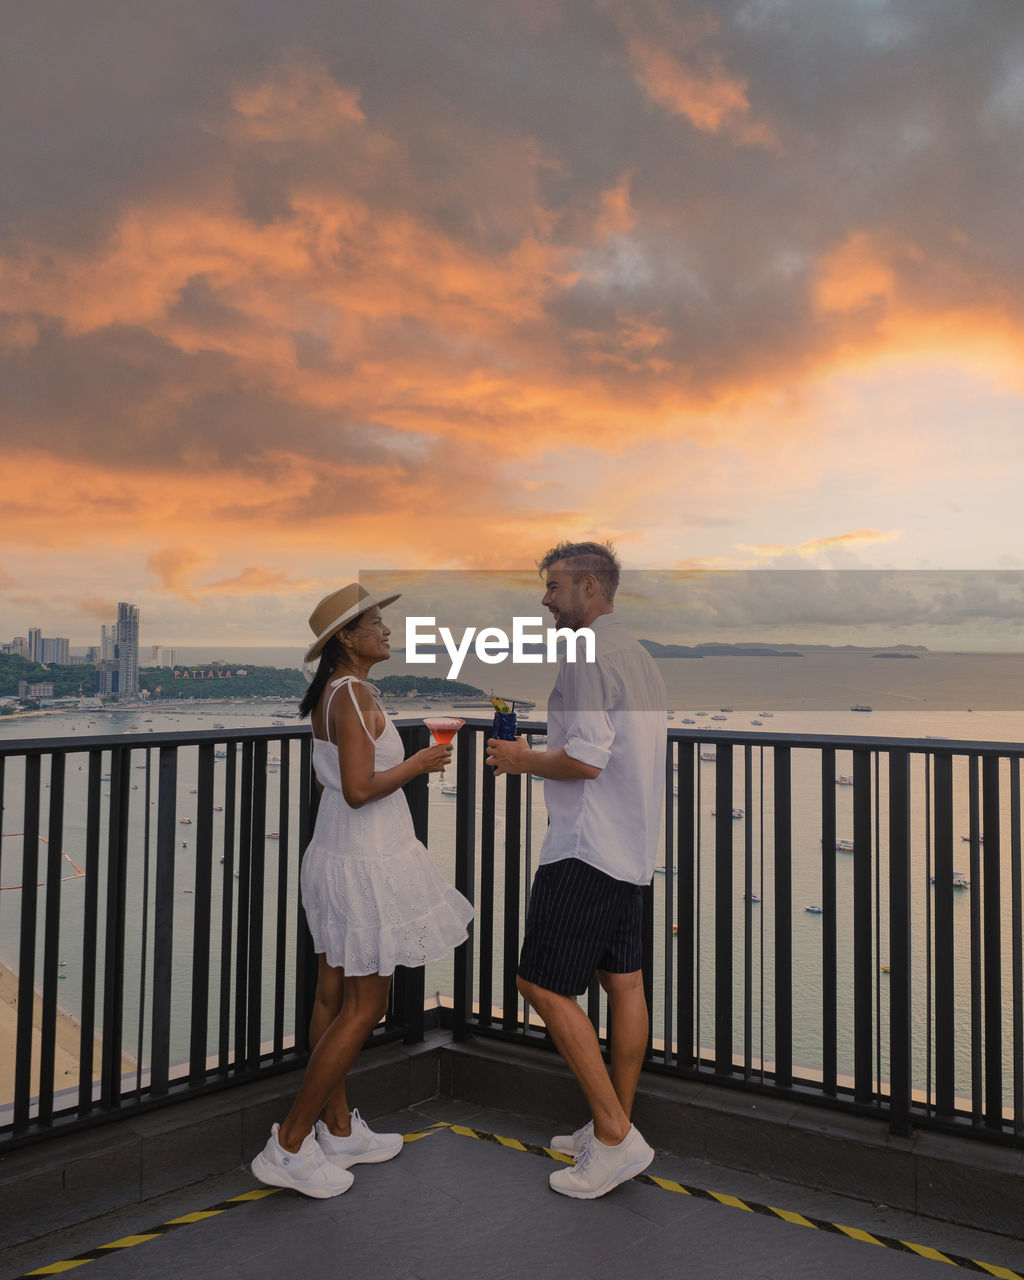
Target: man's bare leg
577, 1042
630, 1024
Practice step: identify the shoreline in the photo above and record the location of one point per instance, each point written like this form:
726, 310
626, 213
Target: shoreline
67, 1049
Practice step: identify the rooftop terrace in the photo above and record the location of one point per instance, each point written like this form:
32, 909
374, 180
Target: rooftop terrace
822, 1098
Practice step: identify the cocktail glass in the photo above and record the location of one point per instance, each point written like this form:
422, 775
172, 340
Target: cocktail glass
443, 728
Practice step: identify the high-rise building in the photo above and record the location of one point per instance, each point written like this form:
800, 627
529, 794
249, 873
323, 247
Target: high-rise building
55, 649
161, 656
19, 645
127, 649
35, 644
117, 671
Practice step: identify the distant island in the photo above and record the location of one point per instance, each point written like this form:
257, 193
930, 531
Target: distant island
755, 649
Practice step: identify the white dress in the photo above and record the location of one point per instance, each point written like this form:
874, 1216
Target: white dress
372, 894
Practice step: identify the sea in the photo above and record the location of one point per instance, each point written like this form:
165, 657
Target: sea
961, 697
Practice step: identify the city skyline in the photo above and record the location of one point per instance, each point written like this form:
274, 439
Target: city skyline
735, 285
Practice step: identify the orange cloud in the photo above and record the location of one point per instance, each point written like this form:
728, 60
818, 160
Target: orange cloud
859, 537
96, 607
703, 92
175, 567
299, 101
853, 275
258, 580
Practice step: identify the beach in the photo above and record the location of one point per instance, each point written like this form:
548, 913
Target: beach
68, 1042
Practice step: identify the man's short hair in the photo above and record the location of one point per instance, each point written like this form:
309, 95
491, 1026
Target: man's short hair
581, 558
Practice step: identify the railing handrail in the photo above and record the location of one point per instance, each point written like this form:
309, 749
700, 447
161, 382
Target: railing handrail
740, 737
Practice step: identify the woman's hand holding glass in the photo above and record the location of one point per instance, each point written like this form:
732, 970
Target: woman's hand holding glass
433, 759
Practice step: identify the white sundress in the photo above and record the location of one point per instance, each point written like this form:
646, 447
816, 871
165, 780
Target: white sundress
372, 894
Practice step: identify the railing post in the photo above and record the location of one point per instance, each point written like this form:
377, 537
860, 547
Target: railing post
863, 1025
113, 953
899, 943
992, 945
408, 986
163, 920
945, 1003
782, 763
465, 843
510, 932
723, 910
829, 952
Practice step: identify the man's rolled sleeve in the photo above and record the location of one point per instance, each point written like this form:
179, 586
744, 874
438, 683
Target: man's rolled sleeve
588, 752
589, 732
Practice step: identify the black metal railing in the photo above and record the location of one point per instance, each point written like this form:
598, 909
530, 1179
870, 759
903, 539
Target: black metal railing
810, 932
149, 893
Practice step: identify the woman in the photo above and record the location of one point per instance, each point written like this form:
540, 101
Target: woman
372, 895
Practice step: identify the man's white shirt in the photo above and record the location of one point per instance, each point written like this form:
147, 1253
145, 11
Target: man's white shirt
610, 713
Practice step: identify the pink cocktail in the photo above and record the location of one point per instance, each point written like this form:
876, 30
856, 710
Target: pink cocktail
443, 728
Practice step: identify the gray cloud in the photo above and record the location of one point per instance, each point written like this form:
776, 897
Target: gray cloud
494, 124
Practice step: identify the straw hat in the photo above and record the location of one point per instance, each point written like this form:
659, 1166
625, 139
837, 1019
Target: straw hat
335, 610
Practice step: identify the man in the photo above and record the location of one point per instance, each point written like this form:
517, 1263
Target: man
604, 772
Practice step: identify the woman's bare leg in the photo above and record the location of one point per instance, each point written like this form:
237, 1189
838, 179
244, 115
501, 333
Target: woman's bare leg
330, 996
323, 1086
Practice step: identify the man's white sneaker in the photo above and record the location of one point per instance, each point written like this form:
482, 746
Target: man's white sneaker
599, 1168
362, 1146
571, 1144
306, 1170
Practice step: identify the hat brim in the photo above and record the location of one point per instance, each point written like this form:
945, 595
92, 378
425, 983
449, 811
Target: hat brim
368, 602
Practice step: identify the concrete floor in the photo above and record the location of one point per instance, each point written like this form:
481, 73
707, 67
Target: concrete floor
454, 1206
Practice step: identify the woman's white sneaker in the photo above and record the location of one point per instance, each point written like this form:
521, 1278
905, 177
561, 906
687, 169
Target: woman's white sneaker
306, 1170
599, 1168
362, 1146
571, 1144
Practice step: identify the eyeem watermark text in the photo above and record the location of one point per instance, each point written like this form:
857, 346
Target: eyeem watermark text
491, 644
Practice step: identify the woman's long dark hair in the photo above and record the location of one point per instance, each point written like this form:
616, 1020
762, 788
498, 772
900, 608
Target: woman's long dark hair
332, 657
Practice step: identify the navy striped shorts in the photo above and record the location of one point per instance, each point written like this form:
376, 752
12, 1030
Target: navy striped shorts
580, 919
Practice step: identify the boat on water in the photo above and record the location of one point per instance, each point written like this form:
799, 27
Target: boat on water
960, 880
736, 813
729, 710
967, 839
708, 756
757, 722
217, 724
844, 846
754, 898
719, 717
844, 780
766, 715
449, 789
860, 707
815, 910
185, 822
687, 720
273, 835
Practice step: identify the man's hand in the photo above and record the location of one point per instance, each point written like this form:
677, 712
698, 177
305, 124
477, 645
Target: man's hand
508, 756
519, 757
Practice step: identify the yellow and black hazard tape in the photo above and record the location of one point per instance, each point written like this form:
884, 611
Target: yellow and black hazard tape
164, 1228
516, 1144
767, 1210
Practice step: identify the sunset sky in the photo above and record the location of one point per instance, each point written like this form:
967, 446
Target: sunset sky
294, 290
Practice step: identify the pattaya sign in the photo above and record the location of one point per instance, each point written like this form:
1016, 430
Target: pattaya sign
215, 673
